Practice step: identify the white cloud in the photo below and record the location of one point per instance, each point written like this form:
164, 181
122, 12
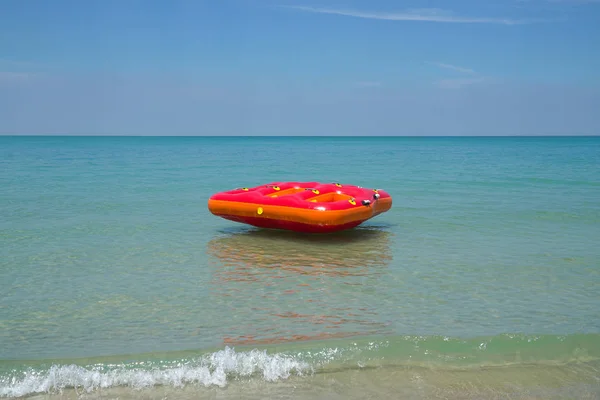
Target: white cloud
424, 15
13, 71
455, 68
456, 83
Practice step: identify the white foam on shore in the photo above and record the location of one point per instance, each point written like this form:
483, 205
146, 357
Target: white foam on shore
213, 369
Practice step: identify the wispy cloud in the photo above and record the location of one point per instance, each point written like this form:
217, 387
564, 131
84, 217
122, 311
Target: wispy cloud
423, 15
21, 72
16, 71
455, 83
454, 68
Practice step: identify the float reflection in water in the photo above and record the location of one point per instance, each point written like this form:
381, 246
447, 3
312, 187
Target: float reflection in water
300, 287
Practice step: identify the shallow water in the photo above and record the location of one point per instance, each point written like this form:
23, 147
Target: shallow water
481, 282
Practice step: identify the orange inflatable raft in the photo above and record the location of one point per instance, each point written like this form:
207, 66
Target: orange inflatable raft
310, 207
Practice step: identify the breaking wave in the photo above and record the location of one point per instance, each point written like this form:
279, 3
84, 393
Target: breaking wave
213, 369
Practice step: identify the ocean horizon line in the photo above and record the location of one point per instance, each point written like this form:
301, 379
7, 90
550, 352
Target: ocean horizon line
59, 135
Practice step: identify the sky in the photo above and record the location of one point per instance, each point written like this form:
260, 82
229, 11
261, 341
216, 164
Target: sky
300, 67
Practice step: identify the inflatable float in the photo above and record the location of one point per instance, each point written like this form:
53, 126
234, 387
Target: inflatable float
309, 207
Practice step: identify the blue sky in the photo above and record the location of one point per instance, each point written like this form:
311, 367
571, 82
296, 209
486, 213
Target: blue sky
300, 67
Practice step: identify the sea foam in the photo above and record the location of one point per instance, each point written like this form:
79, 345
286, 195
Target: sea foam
210, 370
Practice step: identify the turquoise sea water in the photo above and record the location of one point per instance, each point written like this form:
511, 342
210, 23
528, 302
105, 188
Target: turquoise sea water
482, 281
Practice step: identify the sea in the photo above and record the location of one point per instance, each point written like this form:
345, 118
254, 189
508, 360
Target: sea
481, 282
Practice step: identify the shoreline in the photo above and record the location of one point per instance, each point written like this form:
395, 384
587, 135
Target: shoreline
442, 364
